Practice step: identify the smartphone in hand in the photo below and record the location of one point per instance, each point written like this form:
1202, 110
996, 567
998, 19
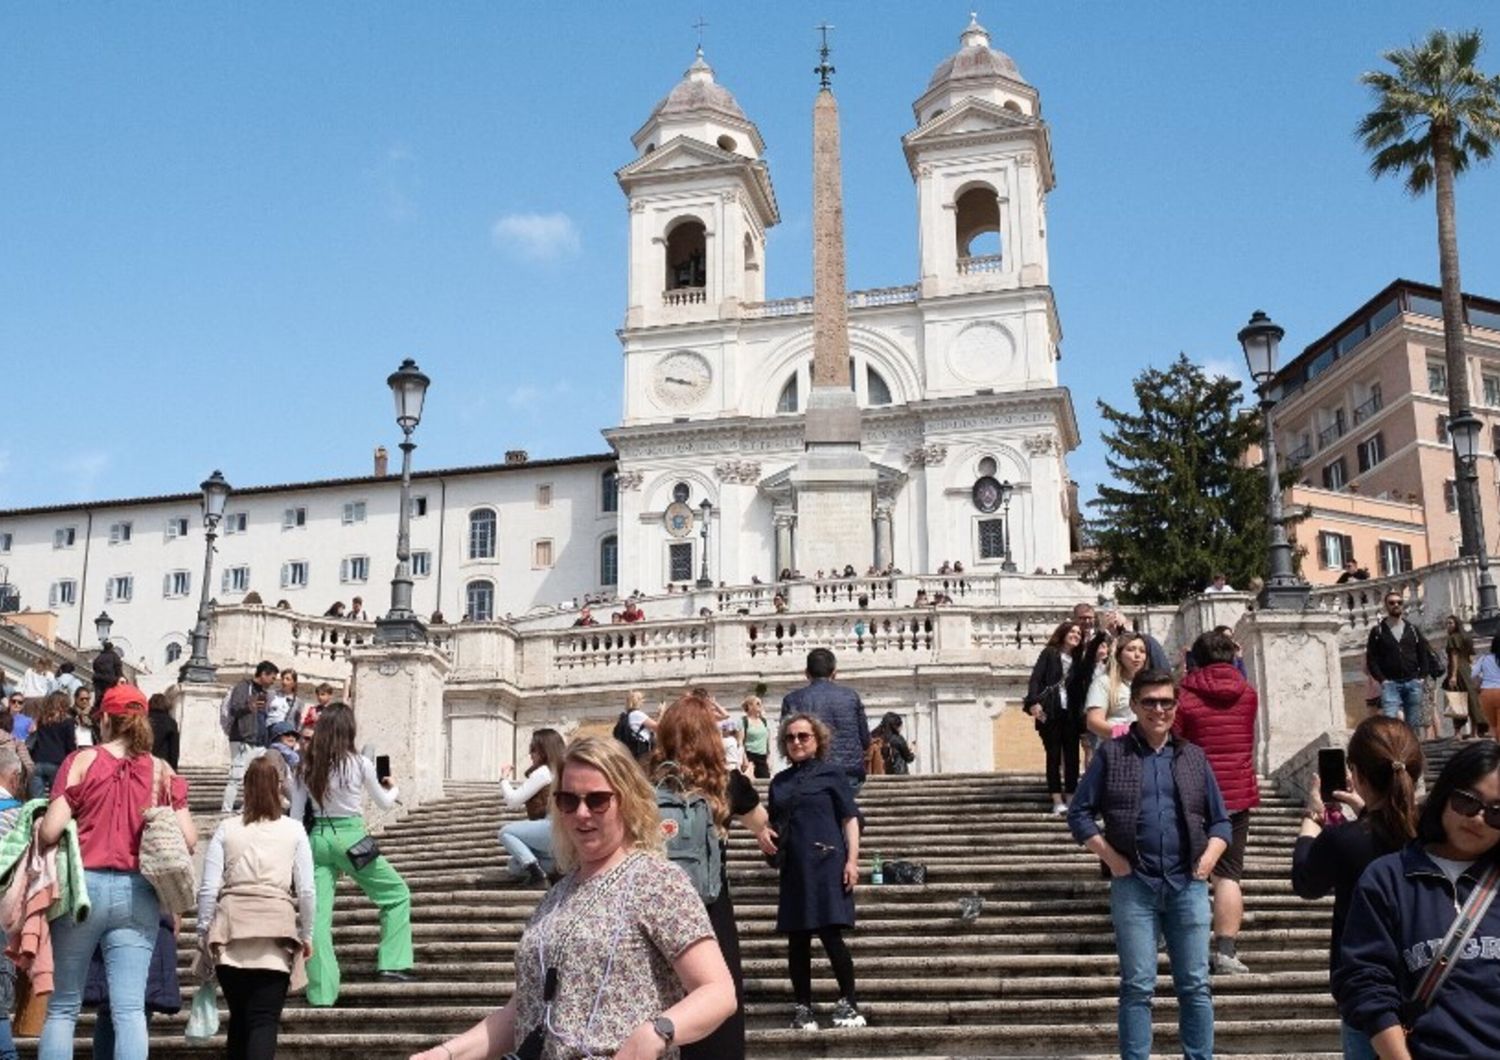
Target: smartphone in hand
382, 767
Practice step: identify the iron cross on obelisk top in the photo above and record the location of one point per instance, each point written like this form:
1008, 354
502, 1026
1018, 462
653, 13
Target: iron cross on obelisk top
824, 70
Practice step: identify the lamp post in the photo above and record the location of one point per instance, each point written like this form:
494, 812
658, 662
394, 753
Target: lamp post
401, 624
1284, 591
198, 670
1464, 430
705, 509
102, 626
1007, 564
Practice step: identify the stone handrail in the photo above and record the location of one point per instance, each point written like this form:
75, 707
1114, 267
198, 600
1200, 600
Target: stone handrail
1432, 593
678, 296
866, 299
241, 635
981, 263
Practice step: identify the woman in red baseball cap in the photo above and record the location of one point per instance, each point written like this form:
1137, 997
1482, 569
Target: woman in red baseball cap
106, 790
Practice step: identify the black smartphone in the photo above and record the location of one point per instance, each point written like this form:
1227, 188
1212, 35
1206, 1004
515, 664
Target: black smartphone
1333, 773
383, 766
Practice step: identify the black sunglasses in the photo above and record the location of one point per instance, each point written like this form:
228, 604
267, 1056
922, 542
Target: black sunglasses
1163, 704
801, 737
596, 801
1467, 804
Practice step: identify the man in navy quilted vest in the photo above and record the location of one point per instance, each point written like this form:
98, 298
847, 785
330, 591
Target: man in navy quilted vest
1164, 827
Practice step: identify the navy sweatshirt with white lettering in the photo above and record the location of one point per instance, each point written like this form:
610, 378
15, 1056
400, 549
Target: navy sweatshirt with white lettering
1402, 908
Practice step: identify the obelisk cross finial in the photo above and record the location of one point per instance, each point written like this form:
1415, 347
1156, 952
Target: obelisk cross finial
700, 26
824, 70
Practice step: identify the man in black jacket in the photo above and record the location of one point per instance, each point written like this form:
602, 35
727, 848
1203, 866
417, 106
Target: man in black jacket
1400, 659
244, 717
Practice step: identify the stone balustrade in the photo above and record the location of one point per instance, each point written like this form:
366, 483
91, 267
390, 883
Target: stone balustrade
682, 296
867, 299
981, 263
1432, 594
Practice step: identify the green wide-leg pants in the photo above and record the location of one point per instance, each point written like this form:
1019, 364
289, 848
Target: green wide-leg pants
331, 838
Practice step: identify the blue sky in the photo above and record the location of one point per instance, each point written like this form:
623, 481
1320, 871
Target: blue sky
222, 225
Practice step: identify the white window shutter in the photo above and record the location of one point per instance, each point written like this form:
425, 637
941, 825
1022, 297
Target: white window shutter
109, 590
285, 572
224, 581
52, 595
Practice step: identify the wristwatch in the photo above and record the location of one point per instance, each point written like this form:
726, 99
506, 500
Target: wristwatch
664, 1027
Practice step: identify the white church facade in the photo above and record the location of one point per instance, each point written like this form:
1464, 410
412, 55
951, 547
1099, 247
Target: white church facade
955, 373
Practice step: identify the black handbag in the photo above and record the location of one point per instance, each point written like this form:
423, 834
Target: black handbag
910, 873
362, 853
1054, 707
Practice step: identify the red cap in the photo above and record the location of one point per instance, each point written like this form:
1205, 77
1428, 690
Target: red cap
123, 700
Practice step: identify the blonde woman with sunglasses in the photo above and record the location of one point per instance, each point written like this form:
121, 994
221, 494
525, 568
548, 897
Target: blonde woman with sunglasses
620, 959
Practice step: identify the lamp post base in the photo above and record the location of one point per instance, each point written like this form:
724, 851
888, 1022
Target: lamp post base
400, 629
194, 672
1286, 596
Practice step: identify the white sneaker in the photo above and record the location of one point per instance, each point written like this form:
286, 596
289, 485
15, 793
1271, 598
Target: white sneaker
803, 1018
1060, 809
845, 1014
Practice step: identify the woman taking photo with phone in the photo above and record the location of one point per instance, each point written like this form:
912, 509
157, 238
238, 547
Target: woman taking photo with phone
1424, 912
619, 960
1384, 769
335, 778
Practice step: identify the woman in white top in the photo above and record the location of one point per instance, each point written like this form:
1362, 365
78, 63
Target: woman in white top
336, 778
529, 842
256, 911
1107, 705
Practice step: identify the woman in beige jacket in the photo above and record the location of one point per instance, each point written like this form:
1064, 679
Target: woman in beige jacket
255, 913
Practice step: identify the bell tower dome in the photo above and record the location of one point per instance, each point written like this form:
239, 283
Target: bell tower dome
981, 157
700, 201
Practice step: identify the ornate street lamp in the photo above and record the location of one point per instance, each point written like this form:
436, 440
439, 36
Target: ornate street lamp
1261, 340
198, 670
705, 509
102, 626
1006, 492
401, 624
1464, 430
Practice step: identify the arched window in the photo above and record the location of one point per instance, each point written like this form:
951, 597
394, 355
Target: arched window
978, 224
687, 258
482, 533
609, 491
479, 600
609, 561
877, 390
987, 466
787, 402
174, 652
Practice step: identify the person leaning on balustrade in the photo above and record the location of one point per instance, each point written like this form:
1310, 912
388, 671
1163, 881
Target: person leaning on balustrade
619, 960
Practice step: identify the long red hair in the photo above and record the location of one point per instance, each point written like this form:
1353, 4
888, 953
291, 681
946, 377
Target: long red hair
687, 736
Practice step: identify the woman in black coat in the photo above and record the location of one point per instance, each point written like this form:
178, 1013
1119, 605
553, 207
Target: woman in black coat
1056, 718
895, 751
815, 826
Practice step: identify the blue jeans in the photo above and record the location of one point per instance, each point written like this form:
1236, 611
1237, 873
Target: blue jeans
1356, 1044
1404, 699
123, 923
1182, 916
527, 843
7, 1040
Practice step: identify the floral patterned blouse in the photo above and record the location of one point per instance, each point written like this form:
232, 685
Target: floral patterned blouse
612, 940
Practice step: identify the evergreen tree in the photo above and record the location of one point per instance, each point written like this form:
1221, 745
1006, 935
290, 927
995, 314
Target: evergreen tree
1182, 505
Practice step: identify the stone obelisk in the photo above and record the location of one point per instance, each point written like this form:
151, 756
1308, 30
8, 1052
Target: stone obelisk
834, 481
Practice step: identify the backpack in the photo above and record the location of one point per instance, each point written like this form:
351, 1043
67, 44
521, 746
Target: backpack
636, 741
692, 840
226, 719
875, 759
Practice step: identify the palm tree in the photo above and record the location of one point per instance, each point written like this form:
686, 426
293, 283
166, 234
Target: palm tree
1434, 114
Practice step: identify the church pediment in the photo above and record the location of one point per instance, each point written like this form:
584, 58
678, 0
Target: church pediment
686, 158
968, 117
681, 152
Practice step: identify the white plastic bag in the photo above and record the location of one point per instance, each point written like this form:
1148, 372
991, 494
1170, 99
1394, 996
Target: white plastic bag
203, 1017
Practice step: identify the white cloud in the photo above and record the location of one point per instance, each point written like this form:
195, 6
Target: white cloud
84, 468
537, 236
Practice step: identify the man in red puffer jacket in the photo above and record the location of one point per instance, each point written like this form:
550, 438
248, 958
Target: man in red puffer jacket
1216, 709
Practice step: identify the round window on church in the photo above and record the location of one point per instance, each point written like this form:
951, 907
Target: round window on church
681, 492
727, 143
987, 467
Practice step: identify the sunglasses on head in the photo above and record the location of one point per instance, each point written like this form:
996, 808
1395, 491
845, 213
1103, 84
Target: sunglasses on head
800, 737
596, 801
1467, 804
1161, 703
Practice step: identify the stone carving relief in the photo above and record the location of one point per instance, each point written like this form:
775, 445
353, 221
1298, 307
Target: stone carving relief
630, 480
744, 472
982, 353
929, 455
1040, 444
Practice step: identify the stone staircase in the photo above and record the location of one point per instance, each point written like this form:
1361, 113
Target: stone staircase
1033, 976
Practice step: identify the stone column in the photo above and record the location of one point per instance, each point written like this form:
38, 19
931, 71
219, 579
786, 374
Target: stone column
398, 708
784, 522
882, 535
830, 307
203, 742
1293, 661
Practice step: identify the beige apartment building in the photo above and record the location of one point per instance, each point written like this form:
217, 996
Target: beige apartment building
1363, 412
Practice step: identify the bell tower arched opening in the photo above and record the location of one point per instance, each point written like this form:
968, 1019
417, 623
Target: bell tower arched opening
977, 225
687, 257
